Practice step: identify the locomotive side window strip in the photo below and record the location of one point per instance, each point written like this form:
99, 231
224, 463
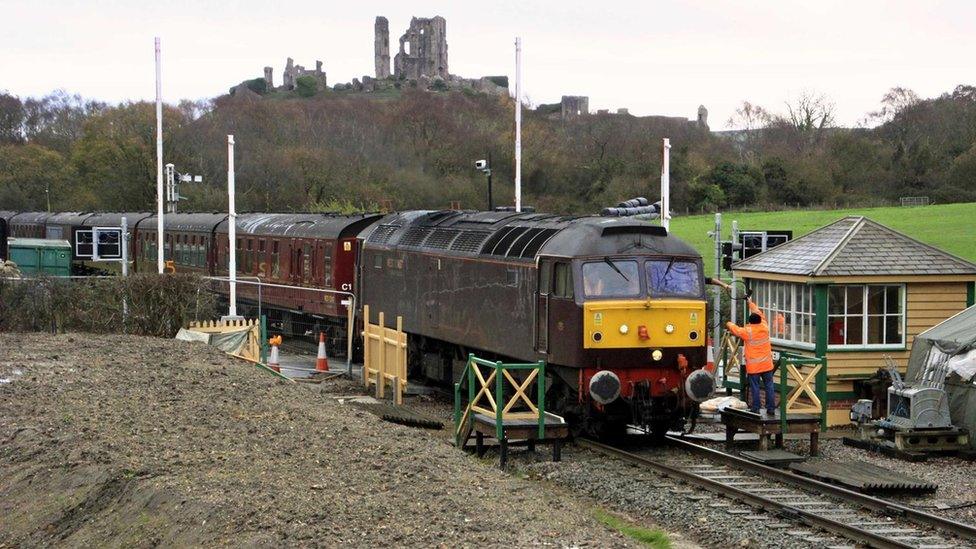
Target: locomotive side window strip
562, 283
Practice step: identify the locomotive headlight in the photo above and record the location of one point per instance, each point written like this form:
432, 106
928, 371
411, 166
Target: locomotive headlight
657, 355
624, 329
669, 328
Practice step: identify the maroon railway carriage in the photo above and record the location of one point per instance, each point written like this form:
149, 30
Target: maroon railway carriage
28, 224
298, 250
187, 245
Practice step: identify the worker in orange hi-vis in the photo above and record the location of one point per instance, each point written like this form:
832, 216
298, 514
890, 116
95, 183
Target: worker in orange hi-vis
759, 357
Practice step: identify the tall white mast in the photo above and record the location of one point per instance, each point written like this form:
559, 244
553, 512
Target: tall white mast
159, 162
231, 229
666, 185
518, 124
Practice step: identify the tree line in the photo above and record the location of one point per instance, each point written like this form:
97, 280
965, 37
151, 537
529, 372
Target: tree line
414, 149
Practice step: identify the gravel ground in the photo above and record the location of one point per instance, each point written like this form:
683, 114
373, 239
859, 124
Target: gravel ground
128, 441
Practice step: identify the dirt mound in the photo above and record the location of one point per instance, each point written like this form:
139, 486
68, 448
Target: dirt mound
117, 440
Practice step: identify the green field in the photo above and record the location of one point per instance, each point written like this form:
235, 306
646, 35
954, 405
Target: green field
950, 227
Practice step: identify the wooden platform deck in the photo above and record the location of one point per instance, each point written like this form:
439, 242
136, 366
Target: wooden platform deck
765, 426
519, 432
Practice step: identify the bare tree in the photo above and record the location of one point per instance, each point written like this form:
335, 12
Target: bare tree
893, 102
811, 112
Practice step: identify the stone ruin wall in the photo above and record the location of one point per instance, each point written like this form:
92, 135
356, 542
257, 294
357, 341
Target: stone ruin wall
381, 47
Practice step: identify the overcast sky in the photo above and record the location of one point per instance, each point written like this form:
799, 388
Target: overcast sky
654, 57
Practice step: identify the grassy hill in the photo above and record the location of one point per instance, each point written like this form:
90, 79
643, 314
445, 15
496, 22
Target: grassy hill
950, 227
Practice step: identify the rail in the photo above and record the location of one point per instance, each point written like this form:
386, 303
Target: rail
960, 529
828, 519
491, 388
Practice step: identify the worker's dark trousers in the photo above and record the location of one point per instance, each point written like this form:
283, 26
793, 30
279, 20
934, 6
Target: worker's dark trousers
754, 396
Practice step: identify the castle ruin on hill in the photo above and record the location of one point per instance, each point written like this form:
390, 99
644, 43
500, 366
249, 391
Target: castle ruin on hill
421, 62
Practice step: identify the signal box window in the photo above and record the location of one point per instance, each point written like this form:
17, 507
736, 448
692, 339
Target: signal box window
562, 281
862, 314
672, 278
611, 279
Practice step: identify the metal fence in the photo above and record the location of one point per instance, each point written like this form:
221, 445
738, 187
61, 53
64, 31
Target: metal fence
911, 201
299, 315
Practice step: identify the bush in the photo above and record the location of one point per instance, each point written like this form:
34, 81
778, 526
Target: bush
498, 80
306, 86
257, 85
157, 305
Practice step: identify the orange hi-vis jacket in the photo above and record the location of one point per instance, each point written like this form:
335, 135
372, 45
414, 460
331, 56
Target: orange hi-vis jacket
755, 339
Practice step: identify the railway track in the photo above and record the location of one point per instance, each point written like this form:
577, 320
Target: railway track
790, 497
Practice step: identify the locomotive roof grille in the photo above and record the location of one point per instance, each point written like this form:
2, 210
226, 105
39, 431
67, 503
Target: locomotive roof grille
441, 238
414, 236
469, 241
382, 234
532, 247
518, 246
505, 242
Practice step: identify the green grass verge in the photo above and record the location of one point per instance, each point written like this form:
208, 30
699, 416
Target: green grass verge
647, 536
949, 227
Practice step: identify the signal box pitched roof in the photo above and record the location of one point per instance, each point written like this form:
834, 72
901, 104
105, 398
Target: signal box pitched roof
856, 246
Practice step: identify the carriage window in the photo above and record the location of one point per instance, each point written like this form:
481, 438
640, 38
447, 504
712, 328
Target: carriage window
673, 278
609, 278
562, 285
377, 261
327, 265
306, 263
275, 271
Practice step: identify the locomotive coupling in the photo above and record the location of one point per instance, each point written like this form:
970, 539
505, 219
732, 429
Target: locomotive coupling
605, 387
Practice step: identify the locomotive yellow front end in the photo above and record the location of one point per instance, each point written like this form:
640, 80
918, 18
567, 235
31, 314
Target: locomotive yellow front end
644, 333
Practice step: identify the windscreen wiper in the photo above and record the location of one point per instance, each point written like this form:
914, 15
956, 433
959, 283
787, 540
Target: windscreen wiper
614, 267
668, 270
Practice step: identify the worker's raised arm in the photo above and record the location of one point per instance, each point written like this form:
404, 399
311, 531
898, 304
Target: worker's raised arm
735, 329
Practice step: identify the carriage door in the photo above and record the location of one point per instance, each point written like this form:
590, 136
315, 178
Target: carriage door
542, 306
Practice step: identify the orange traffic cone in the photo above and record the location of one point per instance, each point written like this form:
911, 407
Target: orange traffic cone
322, 361
710, 362
273, 359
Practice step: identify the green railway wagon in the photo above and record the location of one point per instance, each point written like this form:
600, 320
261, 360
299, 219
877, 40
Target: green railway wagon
35, 256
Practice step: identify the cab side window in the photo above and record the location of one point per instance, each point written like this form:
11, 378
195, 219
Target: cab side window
562, 281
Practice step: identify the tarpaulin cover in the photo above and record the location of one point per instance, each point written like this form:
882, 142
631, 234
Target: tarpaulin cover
234, 342
957, 337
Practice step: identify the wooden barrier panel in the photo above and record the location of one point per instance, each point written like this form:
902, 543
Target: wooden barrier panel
384, 356
731, 353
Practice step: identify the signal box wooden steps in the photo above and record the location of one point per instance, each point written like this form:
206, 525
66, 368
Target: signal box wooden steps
766, 426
